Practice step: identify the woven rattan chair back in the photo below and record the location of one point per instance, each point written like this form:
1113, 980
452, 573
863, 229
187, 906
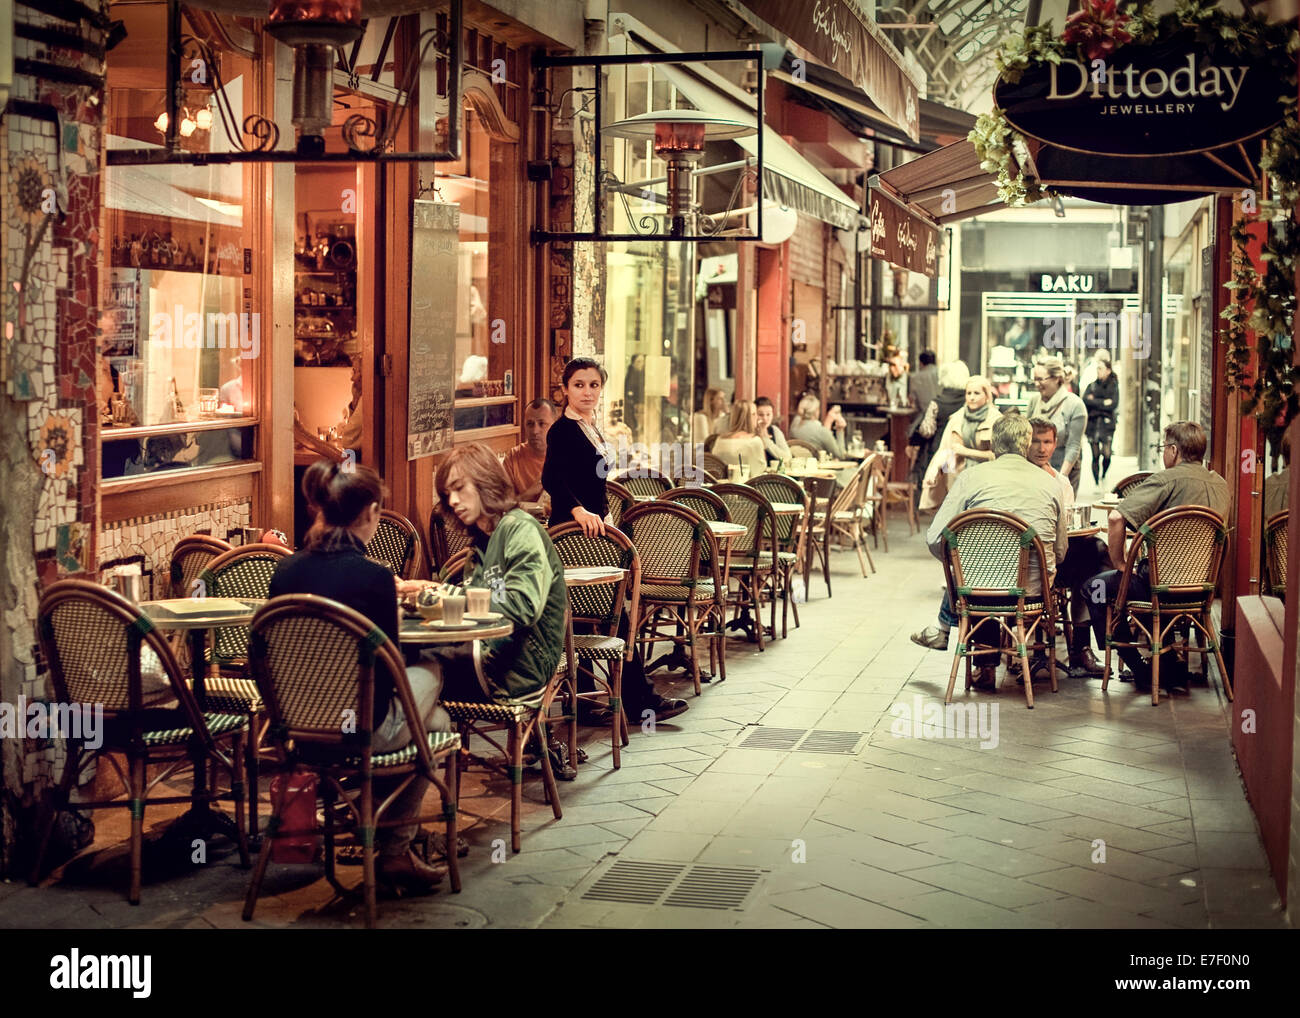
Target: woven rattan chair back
241, 572
700, 501
801, 448
617, 499
396, 544
752, 511
873, 475
92, 639
447, 536
668, 539
1275, 538
988, 554
1131, 481
453, 570
715, 465
1184, 548
643, 482
779, 488
599, 605
692, 475
189, 558
315, 662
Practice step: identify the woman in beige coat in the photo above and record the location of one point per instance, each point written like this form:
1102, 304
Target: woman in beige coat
967, 438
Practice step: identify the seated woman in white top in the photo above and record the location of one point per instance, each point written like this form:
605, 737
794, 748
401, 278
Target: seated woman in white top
739, 443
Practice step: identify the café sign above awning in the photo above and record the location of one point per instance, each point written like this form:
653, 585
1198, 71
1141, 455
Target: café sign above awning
837, 34
900, 236
1169, 99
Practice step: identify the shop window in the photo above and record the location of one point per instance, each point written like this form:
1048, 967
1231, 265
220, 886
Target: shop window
180, 333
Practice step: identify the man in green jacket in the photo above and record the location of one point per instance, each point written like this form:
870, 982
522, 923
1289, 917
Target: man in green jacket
513, 557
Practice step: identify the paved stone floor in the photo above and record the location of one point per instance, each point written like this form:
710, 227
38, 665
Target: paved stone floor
1089, 811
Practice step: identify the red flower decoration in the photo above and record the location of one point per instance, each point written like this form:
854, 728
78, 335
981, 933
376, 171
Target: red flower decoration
1098, 28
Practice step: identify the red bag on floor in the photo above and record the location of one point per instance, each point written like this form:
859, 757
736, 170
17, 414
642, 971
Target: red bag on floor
299, 814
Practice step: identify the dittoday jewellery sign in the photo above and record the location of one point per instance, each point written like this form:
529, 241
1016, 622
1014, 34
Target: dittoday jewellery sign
1172, 98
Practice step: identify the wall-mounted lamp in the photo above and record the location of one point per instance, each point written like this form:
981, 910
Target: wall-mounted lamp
679, 137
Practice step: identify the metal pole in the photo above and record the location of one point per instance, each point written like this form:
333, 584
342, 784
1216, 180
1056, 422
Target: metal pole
761, 114
173, 72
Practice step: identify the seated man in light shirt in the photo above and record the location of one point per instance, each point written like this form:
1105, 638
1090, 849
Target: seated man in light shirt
1009, 483
774, 444
524, 462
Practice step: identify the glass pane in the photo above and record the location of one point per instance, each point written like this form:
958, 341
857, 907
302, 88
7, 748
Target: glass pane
128, 457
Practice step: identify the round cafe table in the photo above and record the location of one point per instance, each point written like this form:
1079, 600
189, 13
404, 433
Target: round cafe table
417, 631
199, 616
592, 576
1085, 532
787, 508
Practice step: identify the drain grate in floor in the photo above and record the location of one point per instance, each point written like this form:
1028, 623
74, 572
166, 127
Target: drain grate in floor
634, 882
821, 741
801, 740
773, 738
684, 885
713, 887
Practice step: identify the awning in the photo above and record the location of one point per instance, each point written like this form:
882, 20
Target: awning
837, 34
788, 178
945, 185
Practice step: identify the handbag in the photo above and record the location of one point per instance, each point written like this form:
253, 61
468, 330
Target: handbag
297, 817
930, 422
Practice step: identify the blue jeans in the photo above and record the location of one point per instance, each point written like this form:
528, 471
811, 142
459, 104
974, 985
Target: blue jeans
947, 617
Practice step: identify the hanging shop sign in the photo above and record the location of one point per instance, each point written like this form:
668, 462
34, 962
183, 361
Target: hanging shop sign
1171, 98
902, 238
837, 35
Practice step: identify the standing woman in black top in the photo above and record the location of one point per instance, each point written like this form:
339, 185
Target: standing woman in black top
1102, 401
577, 461
577, 456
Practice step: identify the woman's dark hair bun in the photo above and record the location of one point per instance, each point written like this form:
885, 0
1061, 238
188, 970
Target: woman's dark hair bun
337, 498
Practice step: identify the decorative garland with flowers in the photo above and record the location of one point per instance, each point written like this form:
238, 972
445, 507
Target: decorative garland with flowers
1097, 30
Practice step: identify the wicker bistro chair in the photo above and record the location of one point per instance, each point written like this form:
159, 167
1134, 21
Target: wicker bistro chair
1275, 537
801, 448
681, 588
790, 532
821, 491
843, 519
986, 559
893, 493
397, 545
189, 558
872, 503
315, 662
600, 609
1184, 549
521, 719
715, 465
694, 474
617, 499
643, 482
447, 536
1131, 481
93, 640
701, 501
754, 555
241, 572
453, 570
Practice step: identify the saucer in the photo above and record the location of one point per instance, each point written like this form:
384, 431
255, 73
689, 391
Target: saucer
484, 616
443, 624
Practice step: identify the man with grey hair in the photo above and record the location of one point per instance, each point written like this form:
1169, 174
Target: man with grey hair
1009, 483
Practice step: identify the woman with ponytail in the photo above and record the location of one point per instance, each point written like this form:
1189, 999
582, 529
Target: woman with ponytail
346, 503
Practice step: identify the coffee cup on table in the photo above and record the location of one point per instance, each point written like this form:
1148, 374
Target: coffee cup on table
453, 609
478, 600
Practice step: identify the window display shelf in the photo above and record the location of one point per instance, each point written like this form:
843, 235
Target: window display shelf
215, 423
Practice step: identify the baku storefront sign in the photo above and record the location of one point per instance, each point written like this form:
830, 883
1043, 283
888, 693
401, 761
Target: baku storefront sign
899, 237
838, 36
1174, 98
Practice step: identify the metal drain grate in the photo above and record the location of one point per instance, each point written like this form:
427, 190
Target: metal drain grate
821, 741
773, 738
633, 882
801, 740
713, 887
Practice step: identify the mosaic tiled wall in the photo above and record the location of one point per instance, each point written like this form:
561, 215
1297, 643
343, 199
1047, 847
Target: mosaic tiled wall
153, 537
50, 148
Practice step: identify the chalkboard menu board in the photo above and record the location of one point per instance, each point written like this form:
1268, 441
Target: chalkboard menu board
431, 378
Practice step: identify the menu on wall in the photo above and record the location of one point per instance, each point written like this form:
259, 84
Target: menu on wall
431, 378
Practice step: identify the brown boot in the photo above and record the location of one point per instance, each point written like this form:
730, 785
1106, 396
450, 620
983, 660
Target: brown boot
1083, 664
